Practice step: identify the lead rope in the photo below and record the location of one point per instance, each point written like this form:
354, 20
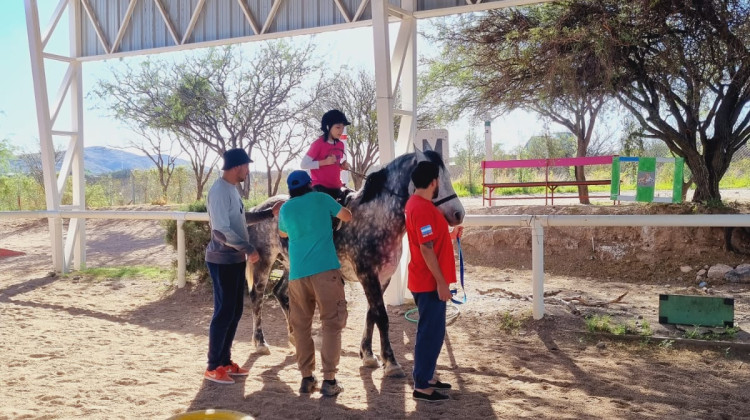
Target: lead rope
454, 292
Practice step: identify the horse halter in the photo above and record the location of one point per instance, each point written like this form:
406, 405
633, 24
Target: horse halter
444, 200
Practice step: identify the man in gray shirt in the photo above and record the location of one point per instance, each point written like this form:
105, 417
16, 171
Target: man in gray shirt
226, 255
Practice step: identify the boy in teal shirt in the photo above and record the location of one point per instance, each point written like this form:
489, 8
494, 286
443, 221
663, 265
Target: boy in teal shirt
314, 276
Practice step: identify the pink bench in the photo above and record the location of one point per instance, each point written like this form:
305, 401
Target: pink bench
549, 185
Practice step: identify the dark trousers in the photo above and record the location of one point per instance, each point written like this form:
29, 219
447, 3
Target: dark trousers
430, 337
229, 296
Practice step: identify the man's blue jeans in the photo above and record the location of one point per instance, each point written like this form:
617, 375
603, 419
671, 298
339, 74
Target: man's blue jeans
430, 337
229, 297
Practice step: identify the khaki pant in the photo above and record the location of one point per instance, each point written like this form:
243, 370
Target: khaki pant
325, 289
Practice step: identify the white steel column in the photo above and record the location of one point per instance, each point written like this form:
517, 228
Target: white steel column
39, 78
77, 228
389, 72
408, 110
74, 246
383, 86
384, 105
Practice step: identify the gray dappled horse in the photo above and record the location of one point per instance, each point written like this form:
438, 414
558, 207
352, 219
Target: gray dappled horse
369, 248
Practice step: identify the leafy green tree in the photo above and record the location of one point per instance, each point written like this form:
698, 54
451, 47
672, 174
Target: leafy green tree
550, 146
6, 154
518, 58
682, 69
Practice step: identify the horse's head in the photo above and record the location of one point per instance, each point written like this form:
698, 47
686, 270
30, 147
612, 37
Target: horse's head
447, 201
395, 181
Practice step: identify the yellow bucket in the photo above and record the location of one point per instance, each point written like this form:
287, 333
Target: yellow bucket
212, 414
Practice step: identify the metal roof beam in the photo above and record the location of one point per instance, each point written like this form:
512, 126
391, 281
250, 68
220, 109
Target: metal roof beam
56, 15
249, 16
343, 10
193, 20
124, 25
97, 27
271, 15
168, 21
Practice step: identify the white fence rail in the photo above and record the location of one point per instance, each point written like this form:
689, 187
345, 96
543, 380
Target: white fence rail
179, 217
536, 223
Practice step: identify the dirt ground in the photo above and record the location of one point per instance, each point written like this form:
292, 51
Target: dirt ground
78, 347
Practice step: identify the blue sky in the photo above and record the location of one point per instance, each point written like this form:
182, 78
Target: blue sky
17, 108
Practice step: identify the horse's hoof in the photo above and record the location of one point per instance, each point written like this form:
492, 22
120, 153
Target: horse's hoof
394, 371
262, 349
370, 361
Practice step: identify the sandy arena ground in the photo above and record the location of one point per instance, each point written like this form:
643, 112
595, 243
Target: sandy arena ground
76, 347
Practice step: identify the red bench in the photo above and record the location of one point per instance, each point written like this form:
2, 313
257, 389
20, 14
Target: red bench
549, 185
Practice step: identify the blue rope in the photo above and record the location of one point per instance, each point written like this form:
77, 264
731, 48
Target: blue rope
461, 271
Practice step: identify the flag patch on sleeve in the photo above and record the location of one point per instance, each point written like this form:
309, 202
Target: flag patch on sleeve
426, 230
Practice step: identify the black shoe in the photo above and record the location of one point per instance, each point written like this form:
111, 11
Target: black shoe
330, 388
440, 385
308, 385
435, 396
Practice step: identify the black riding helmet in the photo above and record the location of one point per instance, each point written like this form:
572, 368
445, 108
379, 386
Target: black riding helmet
332, 117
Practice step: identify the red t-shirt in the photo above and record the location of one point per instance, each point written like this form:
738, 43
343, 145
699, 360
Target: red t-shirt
425, 223
328, 176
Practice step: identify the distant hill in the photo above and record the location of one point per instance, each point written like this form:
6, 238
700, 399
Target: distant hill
98, 160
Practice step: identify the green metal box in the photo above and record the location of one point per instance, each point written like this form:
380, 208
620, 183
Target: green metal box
705, 311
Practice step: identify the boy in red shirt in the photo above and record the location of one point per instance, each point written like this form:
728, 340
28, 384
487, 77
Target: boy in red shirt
431, 269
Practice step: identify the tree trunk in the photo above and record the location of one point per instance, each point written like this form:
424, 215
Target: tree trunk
245, 190
707, 171
706, 190
268, 181
583, 190
276, 183
198, 191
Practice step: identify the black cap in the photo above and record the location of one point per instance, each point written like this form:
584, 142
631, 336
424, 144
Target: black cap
235, 157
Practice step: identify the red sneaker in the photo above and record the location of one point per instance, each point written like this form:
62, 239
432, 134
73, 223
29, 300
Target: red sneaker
235, 369
218, 375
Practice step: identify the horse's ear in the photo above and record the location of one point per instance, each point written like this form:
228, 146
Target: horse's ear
426, 145
419, 155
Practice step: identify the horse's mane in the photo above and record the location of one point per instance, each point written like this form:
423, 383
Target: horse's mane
375, 182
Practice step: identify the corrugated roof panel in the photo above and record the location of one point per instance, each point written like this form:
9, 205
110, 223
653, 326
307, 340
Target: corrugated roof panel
222, 20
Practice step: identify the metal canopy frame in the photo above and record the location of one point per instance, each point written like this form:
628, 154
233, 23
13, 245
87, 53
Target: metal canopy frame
104, 29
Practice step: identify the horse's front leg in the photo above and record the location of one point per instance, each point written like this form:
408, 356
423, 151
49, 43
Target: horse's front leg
377, 315
261, 272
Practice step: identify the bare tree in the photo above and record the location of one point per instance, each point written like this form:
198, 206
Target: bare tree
279, 148
158, 146
219, 98
202, 161
33, 163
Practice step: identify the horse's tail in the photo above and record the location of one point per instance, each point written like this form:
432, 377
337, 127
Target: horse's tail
249, 277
